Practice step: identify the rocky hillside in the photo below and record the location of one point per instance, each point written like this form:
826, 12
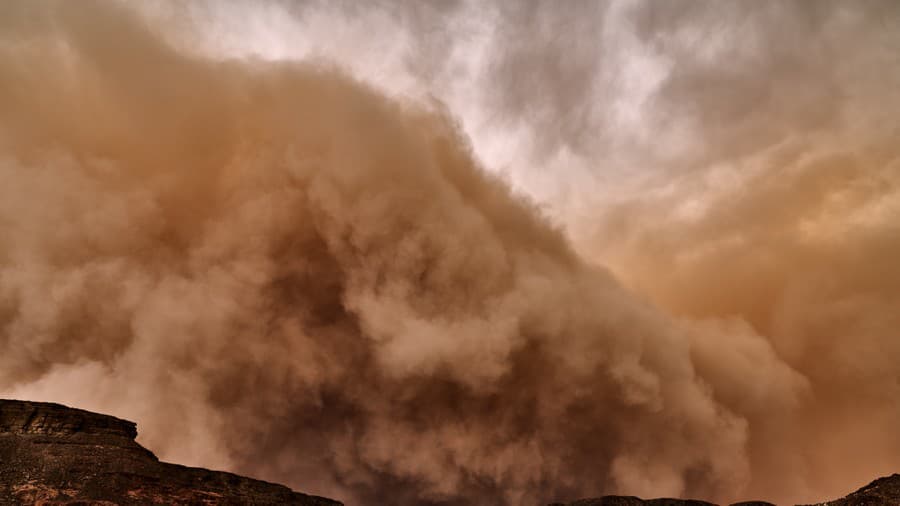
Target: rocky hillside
51, 454
881, 492
55, 455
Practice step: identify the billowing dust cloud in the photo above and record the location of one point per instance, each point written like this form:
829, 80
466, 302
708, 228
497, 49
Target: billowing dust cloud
276, 270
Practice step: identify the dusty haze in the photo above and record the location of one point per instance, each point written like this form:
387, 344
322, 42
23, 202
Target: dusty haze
309, 271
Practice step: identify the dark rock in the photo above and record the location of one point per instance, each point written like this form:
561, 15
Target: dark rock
52, 454
620, 500
881, 492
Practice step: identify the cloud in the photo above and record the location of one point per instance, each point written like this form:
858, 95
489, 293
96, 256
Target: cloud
278, 268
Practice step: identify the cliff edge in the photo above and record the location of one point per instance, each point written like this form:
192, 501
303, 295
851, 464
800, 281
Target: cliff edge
55, 455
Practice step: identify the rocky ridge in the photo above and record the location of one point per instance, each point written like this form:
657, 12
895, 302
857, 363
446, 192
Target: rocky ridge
54, 455
881, 492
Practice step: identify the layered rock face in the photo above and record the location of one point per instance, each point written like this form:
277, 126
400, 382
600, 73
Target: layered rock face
52, 454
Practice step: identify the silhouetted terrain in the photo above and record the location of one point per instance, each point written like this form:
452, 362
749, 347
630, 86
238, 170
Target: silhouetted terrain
52, 454
881, 492
618, 500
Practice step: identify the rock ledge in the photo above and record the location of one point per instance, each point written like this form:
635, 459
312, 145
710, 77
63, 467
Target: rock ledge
54, 455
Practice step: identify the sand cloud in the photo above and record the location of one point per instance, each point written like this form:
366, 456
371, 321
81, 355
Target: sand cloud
278, 268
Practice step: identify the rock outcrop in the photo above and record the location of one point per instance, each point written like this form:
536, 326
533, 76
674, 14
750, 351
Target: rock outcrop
54, 455
881, 492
